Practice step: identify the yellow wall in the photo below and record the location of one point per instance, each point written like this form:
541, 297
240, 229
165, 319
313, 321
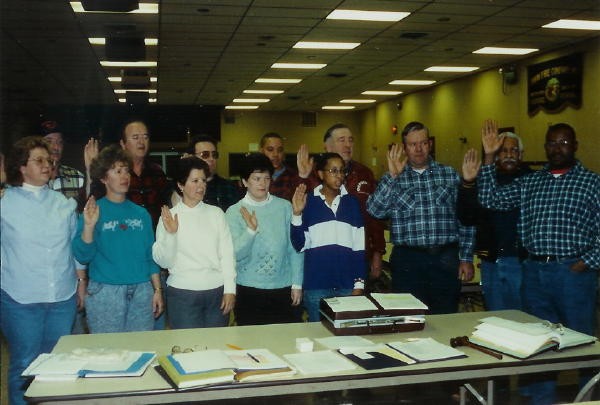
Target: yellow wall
451, 110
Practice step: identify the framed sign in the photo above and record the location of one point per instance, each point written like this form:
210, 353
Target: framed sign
555, 84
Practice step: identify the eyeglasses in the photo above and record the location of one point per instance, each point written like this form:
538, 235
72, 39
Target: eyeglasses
335, 171
40, 161
561, 142
208, 153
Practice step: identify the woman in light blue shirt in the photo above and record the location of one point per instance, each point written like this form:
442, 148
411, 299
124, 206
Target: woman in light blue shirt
38, 278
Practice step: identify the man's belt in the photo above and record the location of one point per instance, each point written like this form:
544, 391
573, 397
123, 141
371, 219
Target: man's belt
430, 250
550, 258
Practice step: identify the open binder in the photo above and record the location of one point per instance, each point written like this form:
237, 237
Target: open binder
375, 313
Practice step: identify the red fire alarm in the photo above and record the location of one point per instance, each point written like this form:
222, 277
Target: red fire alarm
394, 129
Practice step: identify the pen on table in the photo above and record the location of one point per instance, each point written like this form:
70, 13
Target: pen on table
234, 347
253, 358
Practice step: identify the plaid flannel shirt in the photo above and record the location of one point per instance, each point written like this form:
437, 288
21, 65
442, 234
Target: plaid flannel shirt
70, 182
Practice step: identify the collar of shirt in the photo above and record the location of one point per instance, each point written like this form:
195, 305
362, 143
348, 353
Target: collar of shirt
36, 190
248, 200
278, 173
336, 201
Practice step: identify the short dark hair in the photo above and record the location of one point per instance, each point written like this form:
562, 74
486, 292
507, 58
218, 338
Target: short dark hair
561, 126
323, 158
128, 121
263, 139
191, 149
256, 162
184, 167
106, 159
18, 156
50, 127
414, 126
332, 128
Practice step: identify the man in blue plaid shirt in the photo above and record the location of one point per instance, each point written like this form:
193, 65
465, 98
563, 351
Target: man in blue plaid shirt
560, 228
432, 251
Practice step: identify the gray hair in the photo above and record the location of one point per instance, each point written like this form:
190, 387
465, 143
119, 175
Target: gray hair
514, 136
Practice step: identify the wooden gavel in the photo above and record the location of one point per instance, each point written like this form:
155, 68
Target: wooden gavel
464, 341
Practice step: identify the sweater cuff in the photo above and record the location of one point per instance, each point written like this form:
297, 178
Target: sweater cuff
296, 287
296, 220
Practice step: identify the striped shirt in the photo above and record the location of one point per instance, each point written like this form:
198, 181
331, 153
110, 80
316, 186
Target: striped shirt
422, 208
560, 216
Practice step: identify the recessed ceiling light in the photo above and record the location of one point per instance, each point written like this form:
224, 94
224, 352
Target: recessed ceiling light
263, 91
574, 24
241, 107
270, 80
491, 50
114, 79
412, 82
123, 91
338, 107
153, 79
326, 45
144, 8
152, 100
122, 100
451, 69
366, 15
251, 100
381, 93
107, 63
357, 100
102, 41
298, 65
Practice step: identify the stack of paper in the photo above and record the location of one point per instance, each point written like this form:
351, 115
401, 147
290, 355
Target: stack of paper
89, 363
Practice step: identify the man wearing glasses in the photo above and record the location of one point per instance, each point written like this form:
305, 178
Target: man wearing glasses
219, 191
432, 252
559, 226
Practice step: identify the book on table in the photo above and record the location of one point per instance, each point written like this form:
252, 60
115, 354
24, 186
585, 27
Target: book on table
209, 367
89, 363
522, 339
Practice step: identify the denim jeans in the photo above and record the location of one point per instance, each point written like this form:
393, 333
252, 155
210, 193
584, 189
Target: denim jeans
195, 309
31, 329
551, 291
312, 299
119, 308
432, 278
501, 283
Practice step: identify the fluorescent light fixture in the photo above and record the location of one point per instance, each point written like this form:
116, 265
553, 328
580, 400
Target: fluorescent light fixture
491, 50
366, 15
574, 25
108, 63
144, 8
298, 65
153, 79
263, 91
326, 45
123, 91
357, 101
451, 69
122, 100
102, 41
338, 107
241, 107
152, 100
285, 81
114, 79
381, 93
251, 100
411, 82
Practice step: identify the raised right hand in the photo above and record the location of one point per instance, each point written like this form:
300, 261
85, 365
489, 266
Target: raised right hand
170, 222
490, 138
91, 212
471, 165
299, 199
396, 159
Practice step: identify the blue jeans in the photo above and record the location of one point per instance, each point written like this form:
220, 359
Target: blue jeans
551, 291
195, 309
119, 308
31, 329
501, 283
312, 299
432, 278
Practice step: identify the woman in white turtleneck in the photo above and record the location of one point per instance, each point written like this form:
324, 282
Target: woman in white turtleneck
38, 278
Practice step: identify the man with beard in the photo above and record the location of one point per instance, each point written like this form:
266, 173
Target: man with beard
559, 226
496, 238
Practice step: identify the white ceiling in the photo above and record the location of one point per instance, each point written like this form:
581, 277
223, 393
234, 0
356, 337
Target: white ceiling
210, 51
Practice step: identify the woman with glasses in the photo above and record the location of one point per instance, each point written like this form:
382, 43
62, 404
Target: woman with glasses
114, 238
328, 227
194, 243
38, 297
269, 269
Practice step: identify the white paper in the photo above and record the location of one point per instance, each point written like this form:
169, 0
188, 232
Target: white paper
265, 360
321, 362
398, 301
426, 349
344, 342
351, 303
204, 360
